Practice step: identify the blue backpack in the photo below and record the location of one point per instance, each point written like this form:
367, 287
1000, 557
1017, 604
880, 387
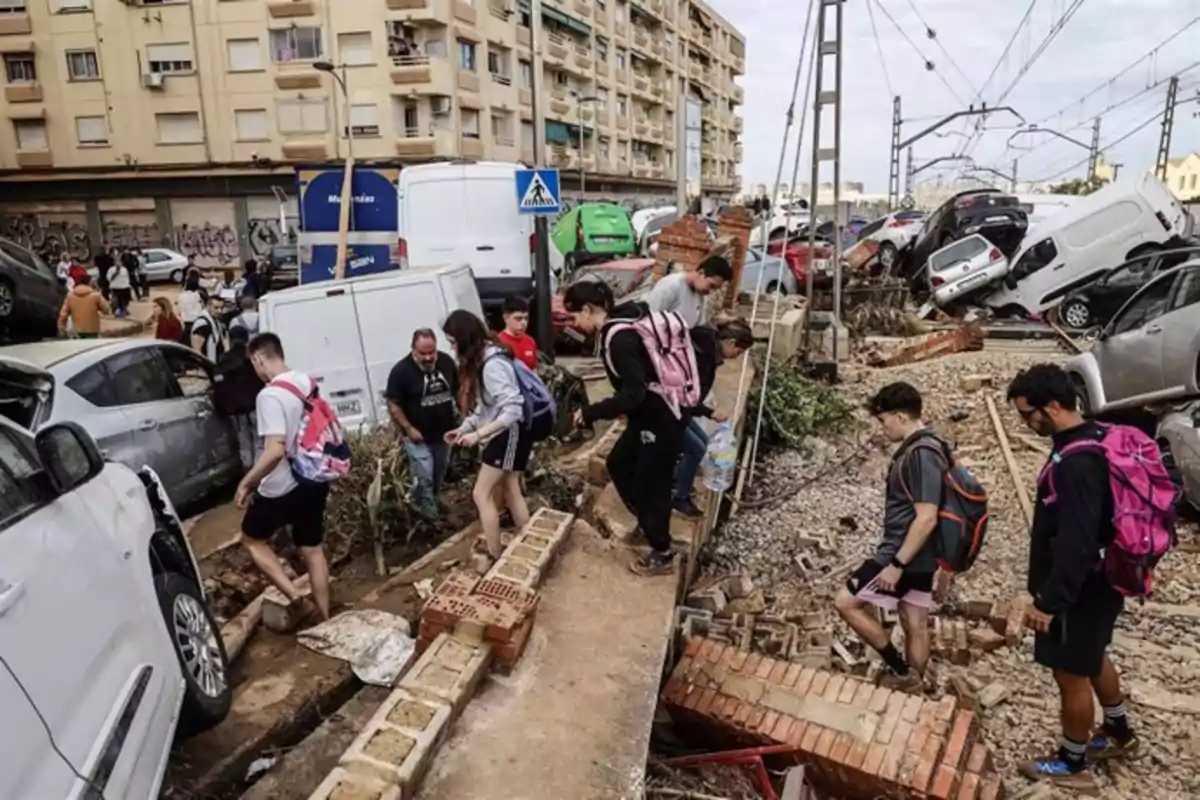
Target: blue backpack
541, 411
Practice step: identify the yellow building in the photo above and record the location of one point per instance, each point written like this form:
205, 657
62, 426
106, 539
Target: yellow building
1183, 176
115, 104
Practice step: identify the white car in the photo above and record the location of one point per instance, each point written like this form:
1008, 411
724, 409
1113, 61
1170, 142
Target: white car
963, 268
1179, 439
107, 646
165, 265
893, 232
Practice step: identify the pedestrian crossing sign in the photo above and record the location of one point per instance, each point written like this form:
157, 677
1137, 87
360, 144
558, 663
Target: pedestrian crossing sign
538, 191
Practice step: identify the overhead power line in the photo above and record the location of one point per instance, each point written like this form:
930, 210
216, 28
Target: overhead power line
1151, 53
1108, 146
929, 64
879, 49
1055, 30
932, 34
1008, 47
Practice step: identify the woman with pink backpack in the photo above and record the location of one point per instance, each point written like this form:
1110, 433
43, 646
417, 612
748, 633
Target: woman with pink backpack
652, 368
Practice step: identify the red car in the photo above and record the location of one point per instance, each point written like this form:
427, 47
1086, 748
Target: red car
629, 279
797, 256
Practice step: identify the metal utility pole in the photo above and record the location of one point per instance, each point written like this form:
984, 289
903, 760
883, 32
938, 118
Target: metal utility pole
894, 165
543, 329
1014, 175
1093, 148
1168, 124
908, 173
821, 99
1094, 160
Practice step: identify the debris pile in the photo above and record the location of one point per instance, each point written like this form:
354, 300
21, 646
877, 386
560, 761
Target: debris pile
798, 407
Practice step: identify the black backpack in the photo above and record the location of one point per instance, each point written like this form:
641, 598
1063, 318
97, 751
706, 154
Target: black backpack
236, 383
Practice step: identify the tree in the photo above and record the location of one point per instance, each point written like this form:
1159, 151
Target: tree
1078, 186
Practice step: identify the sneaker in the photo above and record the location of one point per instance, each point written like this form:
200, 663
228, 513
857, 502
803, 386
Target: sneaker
1058, 772
686, 508
912, 683
654, 563
1104, 746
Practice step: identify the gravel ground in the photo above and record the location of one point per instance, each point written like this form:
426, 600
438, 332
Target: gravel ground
835, 492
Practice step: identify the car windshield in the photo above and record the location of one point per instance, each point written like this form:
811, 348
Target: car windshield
621, 281
960, 251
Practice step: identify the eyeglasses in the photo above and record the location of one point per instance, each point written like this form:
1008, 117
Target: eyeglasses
1026, 415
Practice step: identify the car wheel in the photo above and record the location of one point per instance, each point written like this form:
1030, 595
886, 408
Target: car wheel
200, 650
776, 286
177, 276
887, 256
1076, 314
8, 299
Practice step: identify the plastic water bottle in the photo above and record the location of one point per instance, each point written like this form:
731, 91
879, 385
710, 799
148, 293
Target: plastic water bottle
720, 459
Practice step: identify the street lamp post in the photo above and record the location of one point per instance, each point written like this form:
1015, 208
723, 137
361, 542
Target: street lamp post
343, 247
579, 102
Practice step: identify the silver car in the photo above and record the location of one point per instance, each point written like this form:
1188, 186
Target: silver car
1149, 353
963, 268
144, 401
775, 273
1179, 438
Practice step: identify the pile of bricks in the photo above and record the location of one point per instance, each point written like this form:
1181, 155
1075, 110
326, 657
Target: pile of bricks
468, 625
856, 740
684, 243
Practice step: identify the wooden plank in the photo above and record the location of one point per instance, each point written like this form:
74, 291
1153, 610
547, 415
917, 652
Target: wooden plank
343, 246
1013, 470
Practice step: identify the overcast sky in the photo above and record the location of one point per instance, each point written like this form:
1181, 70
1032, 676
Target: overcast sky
1099, 40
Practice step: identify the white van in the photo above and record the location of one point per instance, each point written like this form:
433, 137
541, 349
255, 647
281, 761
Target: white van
349, 334
1079, 244
467, 213
1039, 207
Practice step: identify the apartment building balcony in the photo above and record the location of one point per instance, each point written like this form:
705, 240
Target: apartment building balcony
738, 152
418, 144
524, 37
737, 93
465, 12
296, 80
641, 128
708, 113
737, 64
583, 9
287, 9
560, 104
23, 93
657, 7
641, 38
423, 75
581, 63
737, 124
15, 24
558, 49
561, 156
695, 71
694, 30
622, 76
658, 171
525, 97
305, 150
641, 84
622, 123
621, 30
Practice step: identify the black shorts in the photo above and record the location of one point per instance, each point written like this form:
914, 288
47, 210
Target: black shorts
303, 508
913, 588
510, 450
1079, 637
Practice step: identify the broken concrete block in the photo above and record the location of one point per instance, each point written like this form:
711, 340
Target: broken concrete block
449, 671
737, 586
711, 599
699, 619
986, 639
993, 694
280, 614
960, 687
399, 742
340, 783
753, 603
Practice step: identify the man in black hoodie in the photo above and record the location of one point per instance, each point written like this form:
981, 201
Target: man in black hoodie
1075, 608
643, 459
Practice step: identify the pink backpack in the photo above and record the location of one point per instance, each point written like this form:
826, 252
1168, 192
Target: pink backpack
669, 344
1144, 498
321, 454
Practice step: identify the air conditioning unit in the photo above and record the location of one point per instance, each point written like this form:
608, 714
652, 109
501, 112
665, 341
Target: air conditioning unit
154, 80
440, 105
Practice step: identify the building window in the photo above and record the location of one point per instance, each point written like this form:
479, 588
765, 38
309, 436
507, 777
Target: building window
91, 131
410, 119
621, 58
12, 6
364, 119
498, 66
82, 65
562, 79
622, 106
469, 121
170, 59
526, 69
601, 49
250, 124
302, 116
296, 44
20, 68
179, 127
31, 134
356, 49
501, 130
1192, 181
466, 55
245, 55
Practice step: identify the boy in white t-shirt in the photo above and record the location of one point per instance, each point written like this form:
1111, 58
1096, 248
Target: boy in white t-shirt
270, 492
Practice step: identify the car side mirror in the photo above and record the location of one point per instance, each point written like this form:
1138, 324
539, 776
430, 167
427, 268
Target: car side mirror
69, 455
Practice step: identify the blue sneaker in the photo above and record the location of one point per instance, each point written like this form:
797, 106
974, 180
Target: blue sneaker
1059, 772
1104, 746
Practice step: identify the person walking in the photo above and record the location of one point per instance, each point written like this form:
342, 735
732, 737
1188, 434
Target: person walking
130, 261
643, 459
515, 334
685, 292
269, 493
713, 346
421, 391
103, 262
63, 267
208, 335
900, 575
1075, 607
493, 408
120, 283
167, 325
235, 393
82, 310
192, 301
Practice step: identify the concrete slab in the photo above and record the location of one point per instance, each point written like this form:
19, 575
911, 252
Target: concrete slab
573, 719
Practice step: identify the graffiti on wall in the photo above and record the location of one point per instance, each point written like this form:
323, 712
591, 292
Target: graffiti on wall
206, 245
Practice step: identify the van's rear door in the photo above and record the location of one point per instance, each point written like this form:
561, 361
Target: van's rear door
389, 310
435, 225
498, 236
320, 334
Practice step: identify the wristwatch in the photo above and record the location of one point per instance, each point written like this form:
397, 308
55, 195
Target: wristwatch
898, 564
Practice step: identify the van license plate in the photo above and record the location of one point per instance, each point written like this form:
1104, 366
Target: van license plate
348, 408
